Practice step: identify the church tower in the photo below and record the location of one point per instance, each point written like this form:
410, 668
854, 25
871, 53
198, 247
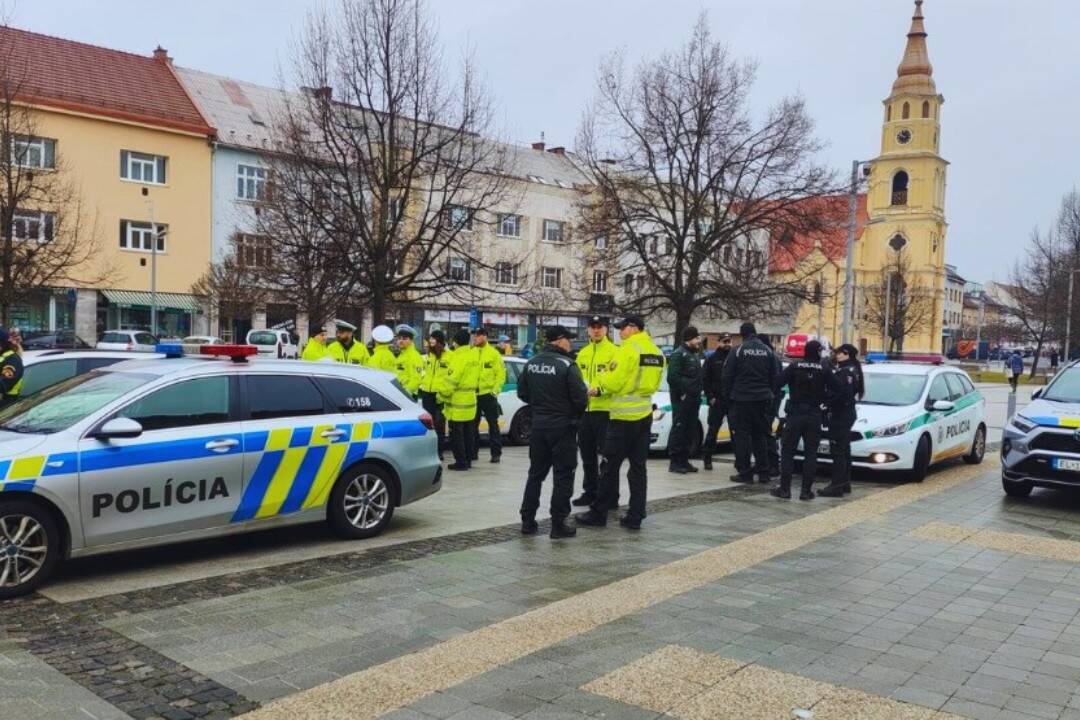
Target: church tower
906, 199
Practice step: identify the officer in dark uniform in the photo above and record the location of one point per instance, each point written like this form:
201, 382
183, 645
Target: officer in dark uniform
806, 380
749, 382
848, 391
685, 381
714, 396
772, 437
555, 390
11, 370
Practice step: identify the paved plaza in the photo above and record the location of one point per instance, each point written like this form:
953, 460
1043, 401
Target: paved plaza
940, 599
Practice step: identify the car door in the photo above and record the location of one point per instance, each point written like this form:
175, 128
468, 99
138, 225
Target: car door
961, 424
183, 473
939, 391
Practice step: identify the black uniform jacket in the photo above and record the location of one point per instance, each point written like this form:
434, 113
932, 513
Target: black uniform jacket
750, 372
684, 375
552, 385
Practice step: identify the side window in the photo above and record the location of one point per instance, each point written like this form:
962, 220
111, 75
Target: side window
145, 339
966, 382
513, 371
93, 363
202, 401
41, 375
939, 390
956, 388
274, 396
349, 397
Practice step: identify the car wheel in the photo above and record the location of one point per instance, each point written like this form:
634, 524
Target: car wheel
922, 460
978, 447
521, 427
1016, 488
29, 547
362, 502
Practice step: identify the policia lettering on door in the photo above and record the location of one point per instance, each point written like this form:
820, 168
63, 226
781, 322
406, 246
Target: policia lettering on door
183, 493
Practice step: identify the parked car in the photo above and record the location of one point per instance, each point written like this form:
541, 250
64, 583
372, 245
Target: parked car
1040, 445
50, 340
202, 340
273, 343
137, 340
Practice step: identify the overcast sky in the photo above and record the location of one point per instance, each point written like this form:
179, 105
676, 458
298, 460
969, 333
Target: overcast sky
1007, 70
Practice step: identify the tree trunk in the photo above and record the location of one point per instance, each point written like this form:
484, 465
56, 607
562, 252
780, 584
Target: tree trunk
682, 321
1035, 361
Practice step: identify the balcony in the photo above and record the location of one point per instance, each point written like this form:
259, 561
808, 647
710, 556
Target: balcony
899, 197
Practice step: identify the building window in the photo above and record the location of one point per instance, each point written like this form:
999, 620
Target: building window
599, 281
250, 182
33, 152
506, 273
554, 230
461, 218
139, 167
36, 226
510, 225
139, 236
888, 113
601, 242
900, 188
628, 283
551, 277
906, 113
460, 270
926, 108
252, 250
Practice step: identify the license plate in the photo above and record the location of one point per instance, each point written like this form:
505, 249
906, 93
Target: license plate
823, 448
1063, 464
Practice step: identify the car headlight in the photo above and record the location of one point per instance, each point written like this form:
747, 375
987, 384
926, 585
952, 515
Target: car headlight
890, 430
1022, 424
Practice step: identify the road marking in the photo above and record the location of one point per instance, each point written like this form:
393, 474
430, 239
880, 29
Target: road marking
692, 685
1014, 543
400, 682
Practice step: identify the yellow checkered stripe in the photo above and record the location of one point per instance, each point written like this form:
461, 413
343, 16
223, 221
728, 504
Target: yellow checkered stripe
22, 473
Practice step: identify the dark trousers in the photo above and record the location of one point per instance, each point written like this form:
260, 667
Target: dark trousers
626, 440
750, 424
772, 441
684, 425
487, 407
805, 425
550, 450
462, 441
717, 411
590, 439
840, 424
434, 409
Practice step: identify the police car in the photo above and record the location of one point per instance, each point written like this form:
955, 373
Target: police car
150, 452
515, 420
914, 415
1040, 446
660, 434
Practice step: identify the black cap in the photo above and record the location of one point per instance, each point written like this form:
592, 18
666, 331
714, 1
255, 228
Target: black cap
480, 331
634, 320
812, 351
849, 350
747, 329
438, 336
557, 332
689, 333
599, 320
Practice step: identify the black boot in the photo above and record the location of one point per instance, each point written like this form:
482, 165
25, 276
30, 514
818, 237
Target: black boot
677, 469
529, 526
630, 522
782, 490
747, 479
807, 492
559, 529
459, 466
583, 500
706, 462
834, 490
592, 518
690, 468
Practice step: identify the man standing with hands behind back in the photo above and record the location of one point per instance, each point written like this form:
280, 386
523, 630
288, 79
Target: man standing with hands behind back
685, 380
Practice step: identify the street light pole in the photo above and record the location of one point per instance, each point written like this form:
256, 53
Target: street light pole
153, 262
849, 270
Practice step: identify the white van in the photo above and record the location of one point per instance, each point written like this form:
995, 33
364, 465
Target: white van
273, 343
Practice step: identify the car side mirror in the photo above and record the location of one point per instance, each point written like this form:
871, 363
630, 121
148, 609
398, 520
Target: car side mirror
1037, 394
119, 427
941, 405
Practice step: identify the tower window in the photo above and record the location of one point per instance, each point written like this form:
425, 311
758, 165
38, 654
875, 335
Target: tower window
888, 113
926, 108
906, 114
899, 188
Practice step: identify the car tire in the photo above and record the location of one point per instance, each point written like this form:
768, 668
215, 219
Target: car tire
362, 502
921, 464
1017, 488
521, 427
24, 525
978, 447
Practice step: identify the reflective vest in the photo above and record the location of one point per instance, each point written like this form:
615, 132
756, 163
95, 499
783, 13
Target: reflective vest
593, 360
314, 351
17, 387
410, 369
459, 386
492, 370
357, 354
633, 376
435, 369
382, 359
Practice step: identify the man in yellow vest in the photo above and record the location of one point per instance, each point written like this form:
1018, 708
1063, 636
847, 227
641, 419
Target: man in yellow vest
410, 364
593, 361
382, 357
315, 348
632, 377
459, 386
345, 348
436, 366
11, 370
492, 378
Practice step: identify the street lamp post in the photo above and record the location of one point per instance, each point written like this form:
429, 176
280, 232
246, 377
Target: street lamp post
153, 262
1068, 316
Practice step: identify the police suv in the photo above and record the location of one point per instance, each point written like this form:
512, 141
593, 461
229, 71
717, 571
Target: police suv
147, 452
914, 415
1040, 446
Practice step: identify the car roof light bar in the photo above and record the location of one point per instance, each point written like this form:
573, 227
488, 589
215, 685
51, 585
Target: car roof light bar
238, 353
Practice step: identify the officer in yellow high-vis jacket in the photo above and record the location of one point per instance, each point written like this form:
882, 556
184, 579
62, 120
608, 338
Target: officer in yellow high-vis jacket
410, 364
633, 376
459, 386
593, 361
315, 348
492, 378
382, 357
345, 348
11, 370
436, 366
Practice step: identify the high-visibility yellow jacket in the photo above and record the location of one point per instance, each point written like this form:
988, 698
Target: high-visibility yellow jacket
459, 385
633, 376
357, 354
492, 369
314, 351
410, 369
382, 359
435, 369
594, 360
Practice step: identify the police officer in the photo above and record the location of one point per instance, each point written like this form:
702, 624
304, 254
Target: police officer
685, 379
848, 391
492, 379
806, 380
633, 376
11, 370
382, 357
748, 381
593, 361
436, 366
459, 389
553, 387
344, 348
714, 396
410, 364
315, 348
775, 424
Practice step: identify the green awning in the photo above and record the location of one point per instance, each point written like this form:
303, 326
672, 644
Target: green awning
165, 301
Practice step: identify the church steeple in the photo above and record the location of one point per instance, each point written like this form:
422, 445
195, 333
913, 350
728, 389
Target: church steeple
915, 75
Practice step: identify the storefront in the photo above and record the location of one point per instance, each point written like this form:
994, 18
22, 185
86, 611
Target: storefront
177, 313
45, 310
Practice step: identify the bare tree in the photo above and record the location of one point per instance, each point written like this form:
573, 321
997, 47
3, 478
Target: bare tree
901, 303
1035, 289
384, 163
691, 188
233, 287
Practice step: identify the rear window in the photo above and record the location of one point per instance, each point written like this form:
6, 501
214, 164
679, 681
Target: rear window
350, 397
115, 337
956, 387
263, 338
274, 396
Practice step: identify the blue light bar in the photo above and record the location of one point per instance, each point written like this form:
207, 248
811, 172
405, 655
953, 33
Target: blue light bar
171, 350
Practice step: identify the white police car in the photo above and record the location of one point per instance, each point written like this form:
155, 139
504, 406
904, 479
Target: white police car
515, 420
147, 452
914, 415
660, 434
1040, 446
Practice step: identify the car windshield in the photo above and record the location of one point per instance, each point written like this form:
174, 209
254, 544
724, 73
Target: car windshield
263, 338
59, 407
1065, 388
892, 389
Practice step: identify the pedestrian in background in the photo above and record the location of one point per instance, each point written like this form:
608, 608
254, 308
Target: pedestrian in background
554, 389
712, 373
490, 384
842, 402
807, 380
685, 382
749, 380
459, 387
504, 345
593, 361
436, 367
1054, 359
1016, 368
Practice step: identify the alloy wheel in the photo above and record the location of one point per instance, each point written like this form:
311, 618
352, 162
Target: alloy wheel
24, 546
366, 501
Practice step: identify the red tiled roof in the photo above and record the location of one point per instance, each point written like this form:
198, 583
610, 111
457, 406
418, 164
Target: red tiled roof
71, 75
786, 253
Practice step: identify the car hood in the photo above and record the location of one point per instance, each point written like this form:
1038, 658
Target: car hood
1052, 414
871, 417
15, 444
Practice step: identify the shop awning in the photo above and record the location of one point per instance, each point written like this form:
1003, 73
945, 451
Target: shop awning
165, 301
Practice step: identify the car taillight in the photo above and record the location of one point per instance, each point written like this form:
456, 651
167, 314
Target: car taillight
429, 422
